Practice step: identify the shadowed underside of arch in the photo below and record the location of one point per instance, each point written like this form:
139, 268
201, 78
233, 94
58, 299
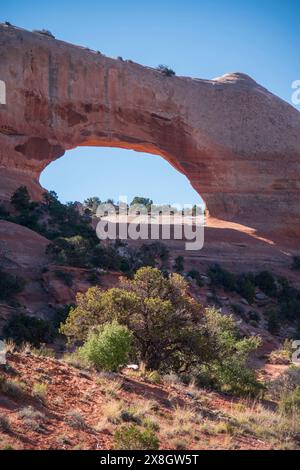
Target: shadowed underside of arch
238, 144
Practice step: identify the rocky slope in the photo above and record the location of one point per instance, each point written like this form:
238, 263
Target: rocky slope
50, 404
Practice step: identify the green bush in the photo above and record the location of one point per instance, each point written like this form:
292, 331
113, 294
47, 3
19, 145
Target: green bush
144, 201
10, 285
165, 70
286, 382
12, 387
158, 311
266, 282
108, 348
73, 251
246, 287
21, 199
290, 309
273, 322
170, 330
60, 316
228, 353
25, 329
178, 264
81, 251
130, 437
290, 402
153, 254
153, 377
234, 377
222, 278
194, 274
4, 214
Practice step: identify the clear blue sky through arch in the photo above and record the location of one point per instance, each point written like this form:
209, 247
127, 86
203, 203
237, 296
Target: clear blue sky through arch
113, 172
196, 38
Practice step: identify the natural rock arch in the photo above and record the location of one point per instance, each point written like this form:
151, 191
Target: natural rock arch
238, 144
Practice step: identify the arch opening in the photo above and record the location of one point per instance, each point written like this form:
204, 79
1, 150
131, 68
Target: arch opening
118, 170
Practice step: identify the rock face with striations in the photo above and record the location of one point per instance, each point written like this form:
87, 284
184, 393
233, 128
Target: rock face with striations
238, 144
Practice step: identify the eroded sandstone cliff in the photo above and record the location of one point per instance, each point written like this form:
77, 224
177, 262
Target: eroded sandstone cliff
238, 144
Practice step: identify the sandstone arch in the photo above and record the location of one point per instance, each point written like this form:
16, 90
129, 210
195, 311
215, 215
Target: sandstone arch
238, 144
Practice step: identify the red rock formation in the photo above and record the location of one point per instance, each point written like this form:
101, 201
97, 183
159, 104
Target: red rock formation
238, 144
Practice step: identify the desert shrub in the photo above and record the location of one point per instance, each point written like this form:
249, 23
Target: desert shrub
111, 386
43, 351
65, 220
30, 220
283, 354
130, 416
266, 282
40, 390
153, 254
12, 387
239, 309
76, 360
165, 70
112, 411
276, 428
141, 201
227, 356
7, 446
290, 309
32, 418
233, 376
44, 32
194, 274
30, 412
285, 383
222, 278
63, 440
158, 311
92, 203
79, 251
296, 262
25, 329
28, 212
75, 420
290, 402
108, 348
178, 264
73, 251
4, 424
253, 317
130, 437
245, 286
273, 322
21, 199
4, 214
10, 285
60, 315
153, 377
170, 330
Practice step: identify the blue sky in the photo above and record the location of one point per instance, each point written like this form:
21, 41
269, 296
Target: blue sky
196, 38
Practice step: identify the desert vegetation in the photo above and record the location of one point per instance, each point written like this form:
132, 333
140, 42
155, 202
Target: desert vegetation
188, 353
170, 331
125, 410
165, 70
